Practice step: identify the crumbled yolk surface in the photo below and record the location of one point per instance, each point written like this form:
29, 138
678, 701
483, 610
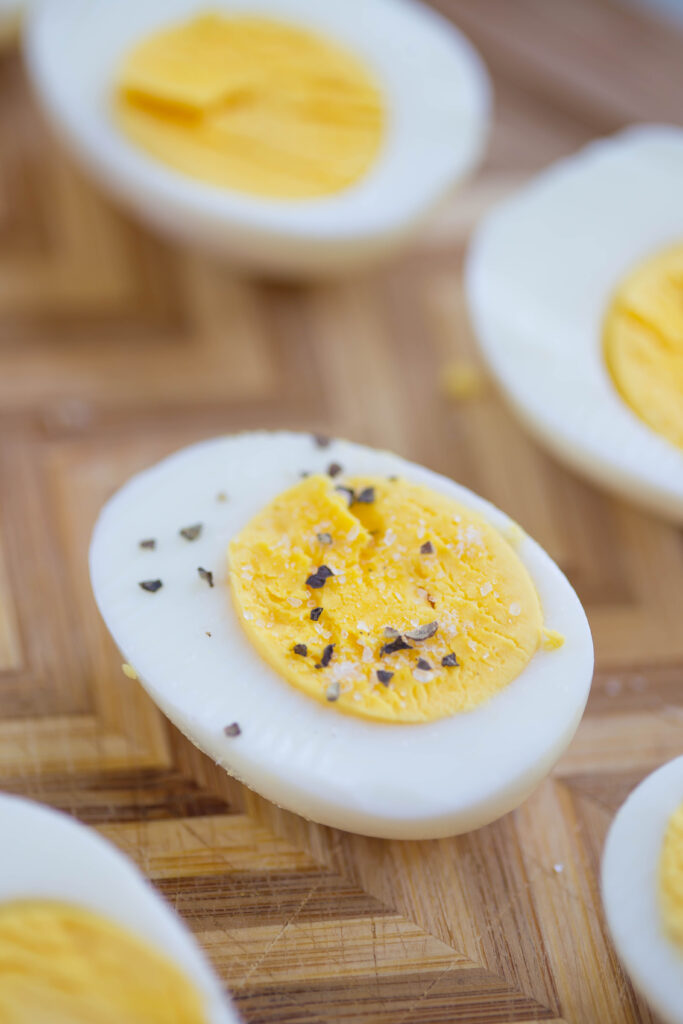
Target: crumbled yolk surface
643, 338
253, 105
671, 878
334, 575
61, 964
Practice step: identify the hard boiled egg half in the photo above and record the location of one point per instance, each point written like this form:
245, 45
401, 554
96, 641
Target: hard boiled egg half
642, 888
574, 286
84, 936
432, 93
353, 636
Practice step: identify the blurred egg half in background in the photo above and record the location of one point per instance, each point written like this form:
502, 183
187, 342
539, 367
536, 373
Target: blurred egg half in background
574, 287
294, 137
85, 937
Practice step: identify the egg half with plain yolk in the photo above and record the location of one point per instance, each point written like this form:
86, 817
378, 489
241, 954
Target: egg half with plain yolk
642, 888
356, 638
85, 939
298, 138
575, 289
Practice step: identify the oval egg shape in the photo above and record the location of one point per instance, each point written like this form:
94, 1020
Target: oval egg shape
631, 865
168, 529
49, 857
541, 273
436, 97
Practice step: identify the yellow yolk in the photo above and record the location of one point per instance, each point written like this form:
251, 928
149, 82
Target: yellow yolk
252, 104
671, 878
644, 342
402, 557
63, 965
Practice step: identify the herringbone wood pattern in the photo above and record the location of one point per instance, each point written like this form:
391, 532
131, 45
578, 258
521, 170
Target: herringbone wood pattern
116, 348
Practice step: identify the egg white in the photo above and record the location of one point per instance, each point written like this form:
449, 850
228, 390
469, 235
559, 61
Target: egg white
47, 855
403, 781
540, 273
437, 97
630, 866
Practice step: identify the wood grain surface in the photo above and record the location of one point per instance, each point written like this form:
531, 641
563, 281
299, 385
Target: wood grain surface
116, 348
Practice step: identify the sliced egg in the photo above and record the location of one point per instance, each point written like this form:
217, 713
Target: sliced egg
401, 663
642, 888
435, 92
54, 870
542, 274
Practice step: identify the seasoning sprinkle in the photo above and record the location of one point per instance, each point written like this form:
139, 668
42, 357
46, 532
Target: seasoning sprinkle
424, 665
398, 644
327, 655
334, 469
232, 730
191, 532
151, 585
221, 496
391, 633
324, 538
423, 632
317, 579
348, 491
366, 496
333, 690
384, 676
149, 545
207, 633
205, 574
449, 661
301, 649
304, 473
316, 613
322, 441
427, 548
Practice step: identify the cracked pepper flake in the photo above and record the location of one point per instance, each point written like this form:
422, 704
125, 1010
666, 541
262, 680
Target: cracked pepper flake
423, 632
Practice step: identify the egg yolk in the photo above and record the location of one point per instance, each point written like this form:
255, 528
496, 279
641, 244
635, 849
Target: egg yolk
384, 597
643, 338
61, 964
671, 878
253, 105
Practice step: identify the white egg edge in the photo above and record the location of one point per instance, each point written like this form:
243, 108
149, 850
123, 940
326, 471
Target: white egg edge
315, 236
404, 780
630, 865
603, 439
46, 855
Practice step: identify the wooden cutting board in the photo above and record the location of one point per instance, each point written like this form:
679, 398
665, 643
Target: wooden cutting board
116, 348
